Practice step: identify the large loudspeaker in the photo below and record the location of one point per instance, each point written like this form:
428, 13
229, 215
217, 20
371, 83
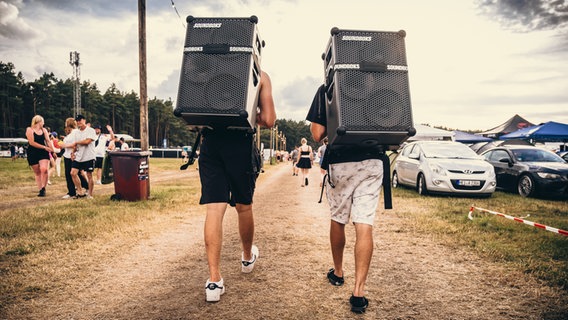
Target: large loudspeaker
367, 90
220, 73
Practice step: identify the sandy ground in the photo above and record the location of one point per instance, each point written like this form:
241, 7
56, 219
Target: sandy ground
161, 274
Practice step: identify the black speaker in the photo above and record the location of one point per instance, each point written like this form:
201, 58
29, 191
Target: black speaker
220, 73
367, 89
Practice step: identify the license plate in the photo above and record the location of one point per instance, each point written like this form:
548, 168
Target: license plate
469, 183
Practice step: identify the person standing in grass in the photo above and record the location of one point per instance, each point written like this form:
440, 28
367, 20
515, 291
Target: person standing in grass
84, 156
67, 145
353, 188
40, 146
227, 177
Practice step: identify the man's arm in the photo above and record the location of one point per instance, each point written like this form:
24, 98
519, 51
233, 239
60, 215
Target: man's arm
267, 114
318, 131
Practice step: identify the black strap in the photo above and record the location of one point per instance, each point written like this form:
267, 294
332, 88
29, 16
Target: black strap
386, 181
97, 142
191, 159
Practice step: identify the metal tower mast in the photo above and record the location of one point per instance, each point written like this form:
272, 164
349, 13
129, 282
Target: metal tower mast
74, 62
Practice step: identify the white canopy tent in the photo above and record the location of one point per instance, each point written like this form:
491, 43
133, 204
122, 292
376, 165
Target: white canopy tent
424, 132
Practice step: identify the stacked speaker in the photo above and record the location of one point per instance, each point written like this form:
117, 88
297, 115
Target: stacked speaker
220, 73
367, 90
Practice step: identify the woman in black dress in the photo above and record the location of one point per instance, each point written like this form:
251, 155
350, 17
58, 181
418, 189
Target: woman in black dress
305, 161
40, 145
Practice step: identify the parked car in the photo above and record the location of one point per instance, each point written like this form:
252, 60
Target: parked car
529, 170
443, 167
563, 155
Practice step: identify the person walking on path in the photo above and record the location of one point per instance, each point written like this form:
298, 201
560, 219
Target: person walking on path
295, 155
227, 176
40, 146
305, 161
84, 156
353, 188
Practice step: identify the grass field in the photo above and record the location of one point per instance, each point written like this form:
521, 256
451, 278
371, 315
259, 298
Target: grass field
58, 225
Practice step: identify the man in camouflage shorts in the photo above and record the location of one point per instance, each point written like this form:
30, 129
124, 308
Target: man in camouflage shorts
353, 188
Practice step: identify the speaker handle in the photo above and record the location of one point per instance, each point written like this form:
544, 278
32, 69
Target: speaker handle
369, 66
216, 48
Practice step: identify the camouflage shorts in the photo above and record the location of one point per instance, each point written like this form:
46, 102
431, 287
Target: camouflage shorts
356, 192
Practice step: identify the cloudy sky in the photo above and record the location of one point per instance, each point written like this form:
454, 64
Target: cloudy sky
467, 70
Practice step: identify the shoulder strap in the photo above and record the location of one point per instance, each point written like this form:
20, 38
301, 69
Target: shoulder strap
191, 159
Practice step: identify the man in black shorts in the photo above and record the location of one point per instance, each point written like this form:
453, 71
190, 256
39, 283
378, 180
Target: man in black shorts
84, 156
227, 176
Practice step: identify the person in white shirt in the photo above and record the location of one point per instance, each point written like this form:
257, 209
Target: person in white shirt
101, 147
123, 146
84, 156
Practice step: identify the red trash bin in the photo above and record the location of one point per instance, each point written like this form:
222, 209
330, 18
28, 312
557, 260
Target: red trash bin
131, 175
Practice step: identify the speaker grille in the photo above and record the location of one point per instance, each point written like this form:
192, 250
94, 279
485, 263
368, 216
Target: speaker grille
238, 32
213, 83
372, 101
220, 73
368, 100
387, 47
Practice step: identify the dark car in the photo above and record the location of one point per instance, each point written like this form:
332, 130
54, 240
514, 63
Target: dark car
529, 170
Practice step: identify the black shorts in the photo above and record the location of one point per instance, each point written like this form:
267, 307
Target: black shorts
99, 162
225, 168
87, 166
35, 155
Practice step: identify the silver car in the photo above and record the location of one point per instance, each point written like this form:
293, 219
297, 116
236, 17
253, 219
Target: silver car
443, 167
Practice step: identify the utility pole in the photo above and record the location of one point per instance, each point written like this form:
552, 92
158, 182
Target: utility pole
144, 145
75, 63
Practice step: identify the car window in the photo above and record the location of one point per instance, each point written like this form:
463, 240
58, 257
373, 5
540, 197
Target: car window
536, 155
448, 151
497, 155
406, 150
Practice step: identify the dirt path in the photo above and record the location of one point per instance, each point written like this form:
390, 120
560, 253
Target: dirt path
162, 276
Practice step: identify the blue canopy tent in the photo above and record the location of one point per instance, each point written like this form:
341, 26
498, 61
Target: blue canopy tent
550, 132
465, 137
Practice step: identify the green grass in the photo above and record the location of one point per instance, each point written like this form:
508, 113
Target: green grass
28, 230
531, 250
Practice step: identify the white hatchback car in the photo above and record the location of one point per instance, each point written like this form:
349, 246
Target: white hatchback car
443, 167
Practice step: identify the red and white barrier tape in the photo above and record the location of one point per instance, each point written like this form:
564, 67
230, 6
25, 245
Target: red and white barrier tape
530, 223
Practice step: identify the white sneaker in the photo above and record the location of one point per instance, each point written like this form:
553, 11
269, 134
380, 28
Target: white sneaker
89, 196
67, 196
247, 266
214, 290
99, 182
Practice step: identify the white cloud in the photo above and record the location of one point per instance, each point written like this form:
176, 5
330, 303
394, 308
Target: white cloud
465, 72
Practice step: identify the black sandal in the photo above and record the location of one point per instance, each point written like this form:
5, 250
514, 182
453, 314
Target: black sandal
333, 279
358, 304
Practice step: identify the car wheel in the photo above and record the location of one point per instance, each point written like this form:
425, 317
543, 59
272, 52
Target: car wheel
422, 185
526, 186
394, 179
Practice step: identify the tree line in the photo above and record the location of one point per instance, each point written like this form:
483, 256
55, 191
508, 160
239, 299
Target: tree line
52, 98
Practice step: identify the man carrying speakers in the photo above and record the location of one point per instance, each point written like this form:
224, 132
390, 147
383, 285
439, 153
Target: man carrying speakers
227, 176
353, 188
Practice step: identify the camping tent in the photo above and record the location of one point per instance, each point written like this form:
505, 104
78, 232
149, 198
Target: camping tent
549, 131
424, 132
465, 137
515, 123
